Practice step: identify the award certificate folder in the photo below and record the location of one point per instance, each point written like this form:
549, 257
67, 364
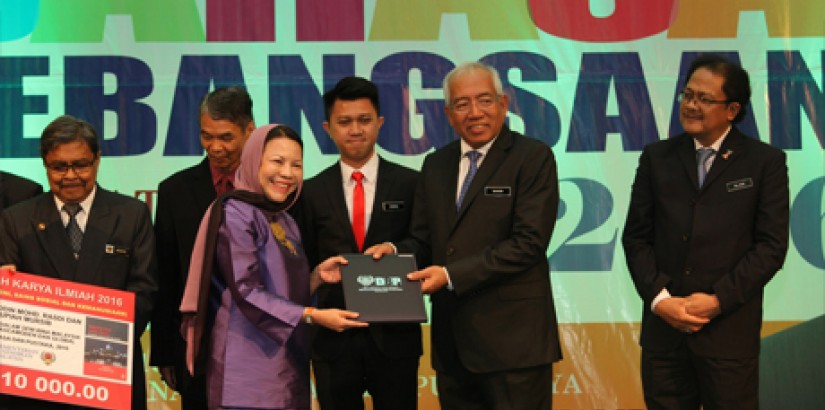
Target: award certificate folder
379, 289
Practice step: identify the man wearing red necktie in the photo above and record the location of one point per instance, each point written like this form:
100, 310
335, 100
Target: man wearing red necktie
360, 201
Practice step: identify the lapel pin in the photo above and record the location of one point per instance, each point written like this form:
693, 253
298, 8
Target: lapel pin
727, 154
41, 226
110, 249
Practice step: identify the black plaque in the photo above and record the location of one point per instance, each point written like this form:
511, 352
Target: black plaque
380, 291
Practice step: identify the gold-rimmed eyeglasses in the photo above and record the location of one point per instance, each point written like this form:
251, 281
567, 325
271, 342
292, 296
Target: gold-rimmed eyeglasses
702, 99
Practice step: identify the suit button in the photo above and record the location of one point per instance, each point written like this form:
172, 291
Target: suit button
687, 271
685, 237
450, 251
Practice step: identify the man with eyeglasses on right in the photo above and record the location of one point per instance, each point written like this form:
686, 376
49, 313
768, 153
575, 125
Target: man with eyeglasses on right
706, 230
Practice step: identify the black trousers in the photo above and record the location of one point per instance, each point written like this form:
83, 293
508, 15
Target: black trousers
341, 383
681, 379
516, 389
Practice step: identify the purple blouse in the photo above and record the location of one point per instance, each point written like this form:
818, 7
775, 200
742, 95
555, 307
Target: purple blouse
259, 348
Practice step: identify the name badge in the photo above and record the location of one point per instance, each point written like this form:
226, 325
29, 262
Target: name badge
497, 191
392, 206
739, 184
116, 250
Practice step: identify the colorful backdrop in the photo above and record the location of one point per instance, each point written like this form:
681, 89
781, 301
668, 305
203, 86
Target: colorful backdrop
595, 80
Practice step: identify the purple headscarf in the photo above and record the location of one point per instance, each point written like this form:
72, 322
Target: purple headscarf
248, 188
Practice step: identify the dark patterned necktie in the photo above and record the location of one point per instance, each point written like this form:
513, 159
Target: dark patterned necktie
473, 156
73, 228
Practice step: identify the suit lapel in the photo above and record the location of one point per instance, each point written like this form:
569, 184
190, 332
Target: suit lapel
495, 157
382, 190
53, 238
202, 188
687, 156
449, 187
99, 227
337, 201
731, 149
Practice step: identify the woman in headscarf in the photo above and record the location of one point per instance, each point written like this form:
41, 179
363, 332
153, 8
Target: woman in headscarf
249, 287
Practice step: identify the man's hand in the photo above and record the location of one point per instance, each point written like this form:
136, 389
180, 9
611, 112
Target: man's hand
377, 251
703, 304
167, 373
673, 311
432, 278
330, 270
9, 267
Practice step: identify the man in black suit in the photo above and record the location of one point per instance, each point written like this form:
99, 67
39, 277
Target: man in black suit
14, 189
383, 358
484, 213
706, 230
114, 245
226, 122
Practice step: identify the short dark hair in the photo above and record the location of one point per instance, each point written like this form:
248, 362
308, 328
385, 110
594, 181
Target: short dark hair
350, 89
232, 104
282, 131
737, 87
66, 129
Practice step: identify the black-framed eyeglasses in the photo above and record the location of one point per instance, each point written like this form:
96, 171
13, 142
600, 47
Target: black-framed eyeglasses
80, 167
701, 99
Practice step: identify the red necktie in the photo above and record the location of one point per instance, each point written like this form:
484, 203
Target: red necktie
358, 222
224, 185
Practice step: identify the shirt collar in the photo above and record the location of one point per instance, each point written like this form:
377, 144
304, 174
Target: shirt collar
217, 175
86, 204
465, 147
369, 169
717, 144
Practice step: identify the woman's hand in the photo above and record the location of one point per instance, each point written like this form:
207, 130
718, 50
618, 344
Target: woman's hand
336, 319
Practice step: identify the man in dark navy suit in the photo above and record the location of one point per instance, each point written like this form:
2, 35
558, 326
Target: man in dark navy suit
706, 230
484, 212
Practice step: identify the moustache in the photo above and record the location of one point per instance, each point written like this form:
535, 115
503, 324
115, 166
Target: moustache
77, 181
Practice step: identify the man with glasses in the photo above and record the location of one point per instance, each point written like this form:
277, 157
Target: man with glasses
706, 230
484, 211
82, 233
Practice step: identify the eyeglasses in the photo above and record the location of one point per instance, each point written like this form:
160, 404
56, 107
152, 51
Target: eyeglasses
483, 102
701, 99
80, 167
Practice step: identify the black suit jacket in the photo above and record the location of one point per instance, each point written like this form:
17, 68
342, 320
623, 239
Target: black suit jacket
500, 313
182, 201
728, 238
33, 238
14, 189
326, 231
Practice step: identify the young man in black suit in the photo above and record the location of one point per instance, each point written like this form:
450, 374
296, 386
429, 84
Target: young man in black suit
484, 213
226, 122
383, 358
14, 189
35, 236
706, 230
